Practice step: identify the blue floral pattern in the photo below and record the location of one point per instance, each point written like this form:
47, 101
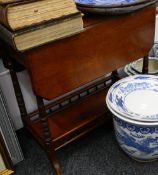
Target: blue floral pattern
136, 128
118, 92
138, 141
105, 2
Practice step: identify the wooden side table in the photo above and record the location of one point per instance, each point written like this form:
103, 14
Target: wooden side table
71, 72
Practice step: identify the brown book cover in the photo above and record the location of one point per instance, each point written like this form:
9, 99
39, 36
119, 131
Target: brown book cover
20, 14
38, 35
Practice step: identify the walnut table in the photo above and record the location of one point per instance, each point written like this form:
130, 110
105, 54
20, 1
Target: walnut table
71, 73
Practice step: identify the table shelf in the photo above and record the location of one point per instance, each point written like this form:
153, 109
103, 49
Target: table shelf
71, 123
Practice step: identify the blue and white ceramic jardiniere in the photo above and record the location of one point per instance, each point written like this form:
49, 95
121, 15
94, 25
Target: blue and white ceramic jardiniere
133, 102
138, 139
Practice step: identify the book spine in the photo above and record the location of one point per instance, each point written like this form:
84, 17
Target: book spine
4, 16
8, 1
49, 23
7, 36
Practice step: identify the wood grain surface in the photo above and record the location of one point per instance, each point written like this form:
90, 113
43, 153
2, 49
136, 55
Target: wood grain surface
106, 44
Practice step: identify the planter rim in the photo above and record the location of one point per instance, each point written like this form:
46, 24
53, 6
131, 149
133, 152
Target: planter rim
135, 122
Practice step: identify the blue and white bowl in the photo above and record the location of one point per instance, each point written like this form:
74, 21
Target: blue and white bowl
111, 3
112, 7
135, 97
136, 131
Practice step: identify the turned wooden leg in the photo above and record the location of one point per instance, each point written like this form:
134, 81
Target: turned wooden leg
55, 163
145, 65
47, 136
115, 76
19, 97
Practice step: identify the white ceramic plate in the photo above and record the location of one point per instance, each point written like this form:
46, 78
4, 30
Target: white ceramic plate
135, 97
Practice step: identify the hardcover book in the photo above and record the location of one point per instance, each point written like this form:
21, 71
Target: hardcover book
8, 1
18, 14
43, 33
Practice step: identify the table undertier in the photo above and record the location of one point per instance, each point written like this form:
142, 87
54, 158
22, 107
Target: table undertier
75, 120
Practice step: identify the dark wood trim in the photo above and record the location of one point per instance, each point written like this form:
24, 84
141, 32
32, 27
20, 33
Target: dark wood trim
98, 85
7, 60
47, 136
145, 65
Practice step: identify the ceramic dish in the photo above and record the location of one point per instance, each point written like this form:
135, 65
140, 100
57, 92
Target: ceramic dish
153, 65
133, 72
111, 3
129, 71
135, 97
111, 10
133, 122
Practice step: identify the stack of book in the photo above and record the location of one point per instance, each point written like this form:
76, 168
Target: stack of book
25, 24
